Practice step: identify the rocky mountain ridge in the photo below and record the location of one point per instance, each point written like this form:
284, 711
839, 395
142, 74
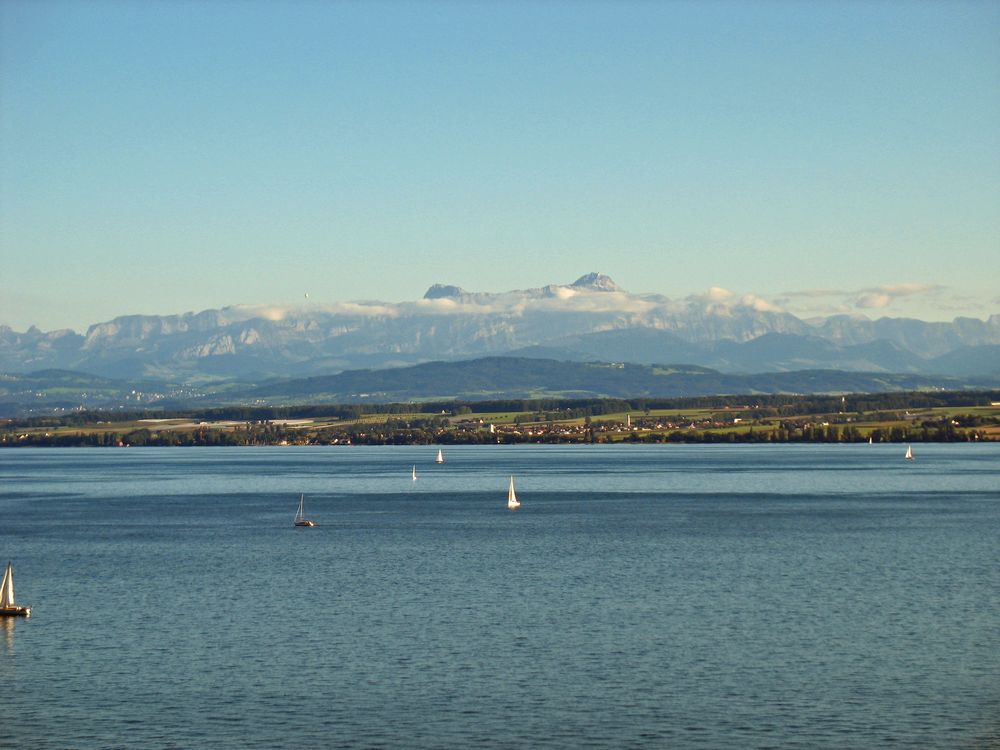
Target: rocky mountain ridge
591, 319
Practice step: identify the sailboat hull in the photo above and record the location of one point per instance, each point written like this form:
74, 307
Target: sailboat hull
15, 611
300, 515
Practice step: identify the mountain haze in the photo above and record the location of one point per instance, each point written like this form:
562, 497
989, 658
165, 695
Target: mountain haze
59, 391
591, 319
514, 377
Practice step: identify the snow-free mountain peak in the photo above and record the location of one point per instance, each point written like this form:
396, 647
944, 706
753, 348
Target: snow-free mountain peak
597, 282
443, 291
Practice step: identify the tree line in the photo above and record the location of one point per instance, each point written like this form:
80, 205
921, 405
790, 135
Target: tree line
765, 404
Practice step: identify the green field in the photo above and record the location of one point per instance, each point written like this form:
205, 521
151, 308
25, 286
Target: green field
553, 424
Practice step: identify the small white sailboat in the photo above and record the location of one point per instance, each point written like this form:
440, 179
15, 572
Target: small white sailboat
300, 517
512, 502
414, 474
8, 608
909, 453
869, 440
440, 457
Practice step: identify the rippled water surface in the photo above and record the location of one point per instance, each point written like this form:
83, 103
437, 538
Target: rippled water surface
661, 596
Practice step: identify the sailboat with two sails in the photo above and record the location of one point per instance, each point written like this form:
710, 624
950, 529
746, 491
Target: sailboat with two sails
8, 608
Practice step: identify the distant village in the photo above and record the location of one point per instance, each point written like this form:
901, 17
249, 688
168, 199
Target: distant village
742, 423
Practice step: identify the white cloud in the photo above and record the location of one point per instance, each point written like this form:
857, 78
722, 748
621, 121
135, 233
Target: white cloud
563, 292
884, 295
833, 301
817, 293
558, 299
870, 300
717, 294
280, 312
594, 302
759, 303
906, 290
720, 300
564, 299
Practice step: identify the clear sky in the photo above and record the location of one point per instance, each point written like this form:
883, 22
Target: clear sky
161, 157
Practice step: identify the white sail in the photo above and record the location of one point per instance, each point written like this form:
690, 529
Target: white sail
7, 589
512, 501
440, 458
414, 475
869, 440
909, 453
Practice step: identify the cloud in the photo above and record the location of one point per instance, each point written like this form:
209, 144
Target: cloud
720, 300
966, 305
905, 290
831, 301
759, 303
563, 299
717, 294
280, 312
555, 299
610, 302
814, 306
817, 293
237, 313
882, 296
873, 300
563, 292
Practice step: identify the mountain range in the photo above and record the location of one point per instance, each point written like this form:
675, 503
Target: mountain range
592, 319
527, 378
61, 391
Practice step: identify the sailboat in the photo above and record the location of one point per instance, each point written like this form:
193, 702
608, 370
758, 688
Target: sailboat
512, 502
414, 474
300, 517
7, 606
909, 453
869, 440
440, 458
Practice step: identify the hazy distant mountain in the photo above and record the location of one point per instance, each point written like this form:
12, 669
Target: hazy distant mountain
590, 319
771, 352
486, 378
48, 391
515, 377
968, 361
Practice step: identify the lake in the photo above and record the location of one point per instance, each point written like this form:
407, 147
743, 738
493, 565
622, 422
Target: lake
786, 596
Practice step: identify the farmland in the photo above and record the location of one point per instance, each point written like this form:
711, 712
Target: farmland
942, 417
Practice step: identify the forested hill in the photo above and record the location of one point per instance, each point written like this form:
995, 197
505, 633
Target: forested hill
57, 391
514, 377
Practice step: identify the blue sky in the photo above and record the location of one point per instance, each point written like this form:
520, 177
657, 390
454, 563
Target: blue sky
165, 157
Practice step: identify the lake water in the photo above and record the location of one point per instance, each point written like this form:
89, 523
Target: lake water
827, 596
